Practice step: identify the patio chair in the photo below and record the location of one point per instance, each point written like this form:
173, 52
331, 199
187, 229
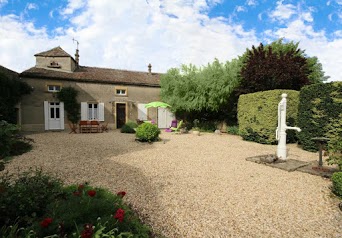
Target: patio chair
177, 129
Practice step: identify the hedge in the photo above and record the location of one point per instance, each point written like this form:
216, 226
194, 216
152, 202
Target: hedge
320, 113
258, 115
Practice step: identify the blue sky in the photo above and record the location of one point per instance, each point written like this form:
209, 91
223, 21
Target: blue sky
131, 34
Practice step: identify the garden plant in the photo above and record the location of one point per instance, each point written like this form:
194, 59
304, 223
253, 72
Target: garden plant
35, 204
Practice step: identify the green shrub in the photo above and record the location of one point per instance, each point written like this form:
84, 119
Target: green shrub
335, 152
7, 138
129, 127
37, 205
320, 113
11, 142
336, 179
233, 130
27, 196
147, 132
258, 115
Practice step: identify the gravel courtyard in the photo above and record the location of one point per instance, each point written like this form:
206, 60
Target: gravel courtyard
194, 186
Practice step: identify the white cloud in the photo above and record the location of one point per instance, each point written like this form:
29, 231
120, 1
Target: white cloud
72, 6
131, 34
241, 9
3, 3
252, 2
282, 12
31, 6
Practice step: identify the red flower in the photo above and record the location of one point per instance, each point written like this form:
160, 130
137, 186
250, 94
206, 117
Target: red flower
46, 222
91, 193
120, 215
121, 194
88, 231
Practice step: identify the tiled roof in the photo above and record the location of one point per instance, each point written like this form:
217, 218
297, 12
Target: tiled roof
55, 52
10, 73
99, 75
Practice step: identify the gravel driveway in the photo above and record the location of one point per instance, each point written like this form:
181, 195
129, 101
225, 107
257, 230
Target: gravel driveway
195, 186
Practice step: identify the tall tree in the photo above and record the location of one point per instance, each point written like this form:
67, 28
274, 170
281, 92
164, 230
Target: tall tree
200, 89
266, 69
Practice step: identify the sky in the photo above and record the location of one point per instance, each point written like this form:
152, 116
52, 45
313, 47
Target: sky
130, 34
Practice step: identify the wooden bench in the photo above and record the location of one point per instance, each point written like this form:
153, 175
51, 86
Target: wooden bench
89, 126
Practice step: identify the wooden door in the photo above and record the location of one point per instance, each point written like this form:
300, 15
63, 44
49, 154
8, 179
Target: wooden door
120, 114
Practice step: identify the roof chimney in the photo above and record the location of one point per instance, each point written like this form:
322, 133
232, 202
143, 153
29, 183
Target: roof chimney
77, 58
149, 68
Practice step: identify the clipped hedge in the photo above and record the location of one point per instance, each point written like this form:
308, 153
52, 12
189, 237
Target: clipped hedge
320, 113
258, 115
337, 183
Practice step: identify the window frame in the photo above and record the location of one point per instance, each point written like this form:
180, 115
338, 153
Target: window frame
54, 85
121, 89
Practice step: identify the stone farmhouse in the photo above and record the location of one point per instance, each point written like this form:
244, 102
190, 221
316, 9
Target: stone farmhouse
108, 95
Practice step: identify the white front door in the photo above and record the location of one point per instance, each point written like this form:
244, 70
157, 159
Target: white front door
165, 118
54, 115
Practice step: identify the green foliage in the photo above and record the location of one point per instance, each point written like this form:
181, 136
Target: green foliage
233, 130
11, 142
197, 89
11, 92
335, 152
68, 95
129, 127
320, 113
7, 139
147, 132
336, 179
258, 115
37, 205
27, 197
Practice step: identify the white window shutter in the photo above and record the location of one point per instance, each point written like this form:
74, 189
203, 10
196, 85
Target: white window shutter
101, 111
142, 112
84, 111
46, 115
61, 111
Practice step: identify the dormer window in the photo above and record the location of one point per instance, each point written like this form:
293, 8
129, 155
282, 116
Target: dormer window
54, 64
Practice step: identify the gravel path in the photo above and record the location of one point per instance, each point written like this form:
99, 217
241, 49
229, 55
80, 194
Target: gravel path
195, 186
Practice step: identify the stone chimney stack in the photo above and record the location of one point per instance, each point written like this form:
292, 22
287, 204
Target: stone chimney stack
149, 68
77, 58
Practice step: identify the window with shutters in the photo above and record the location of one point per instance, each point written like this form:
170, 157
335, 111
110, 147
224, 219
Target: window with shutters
92, 111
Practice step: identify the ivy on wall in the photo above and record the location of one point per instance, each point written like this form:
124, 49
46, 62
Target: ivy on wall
68, 95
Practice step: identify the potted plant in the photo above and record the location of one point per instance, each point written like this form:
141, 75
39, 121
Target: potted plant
195, 128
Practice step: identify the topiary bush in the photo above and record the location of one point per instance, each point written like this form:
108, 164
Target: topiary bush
147, 132
129, 127
258, 115
320, 113
336, 179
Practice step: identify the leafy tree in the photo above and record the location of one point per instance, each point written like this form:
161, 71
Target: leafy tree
267, 70
11, 92
200, 89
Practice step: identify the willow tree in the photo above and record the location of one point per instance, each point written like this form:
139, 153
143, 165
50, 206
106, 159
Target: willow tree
200, 91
